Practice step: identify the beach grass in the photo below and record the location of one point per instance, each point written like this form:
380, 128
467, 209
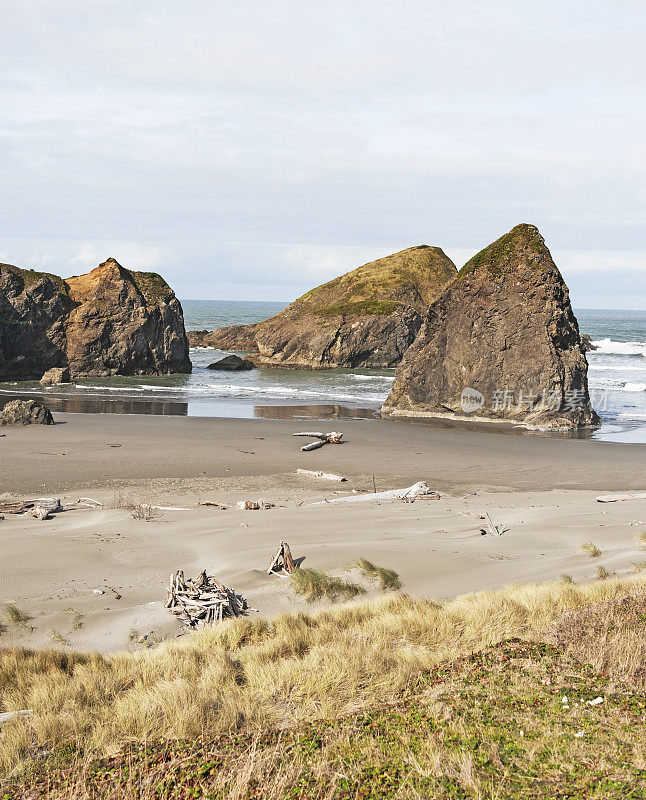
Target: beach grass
388, 578
244, 676
591, 550
313, 584
15, 615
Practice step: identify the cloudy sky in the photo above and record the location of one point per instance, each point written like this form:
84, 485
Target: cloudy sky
249, 149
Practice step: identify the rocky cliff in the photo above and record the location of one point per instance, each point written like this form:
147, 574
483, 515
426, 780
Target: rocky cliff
108, 322
501, 342
365, 318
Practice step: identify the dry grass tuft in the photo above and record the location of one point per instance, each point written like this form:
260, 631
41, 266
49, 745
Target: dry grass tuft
139, 510
388, 578
591, 550
565, 578
603, 574
15, 615
314, 585
641, 538
610, 636
243, 675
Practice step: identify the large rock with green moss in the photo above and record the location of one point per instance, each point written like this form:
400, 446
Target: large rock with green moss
108, 322
500, 343
365, 318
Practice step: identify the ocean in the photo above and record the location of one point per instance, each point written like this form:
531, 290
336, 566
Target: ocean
617, 379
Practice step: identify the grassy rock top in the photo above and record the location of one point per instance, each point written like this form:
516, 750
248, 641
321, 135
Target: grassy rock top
414, 276
502, 256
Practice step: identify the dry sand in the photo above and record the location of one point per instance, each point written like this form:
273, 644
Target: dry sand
542, 489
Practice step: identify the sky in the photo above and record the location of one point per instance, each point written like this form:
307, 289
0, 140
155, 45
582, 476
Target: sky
249, 149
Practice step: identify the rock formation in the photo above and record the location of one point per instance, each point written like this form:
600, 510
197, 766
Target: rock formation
232, 364
365, 318
501, 342
25, 412
108, 322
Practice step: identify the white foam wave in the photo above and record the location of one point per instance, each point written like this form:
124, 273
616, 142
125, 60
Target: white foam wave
386, 378
615, 368
610, 347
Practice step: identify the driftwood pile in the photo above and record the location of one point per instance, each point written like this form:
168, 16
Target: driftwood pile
202, 600
334, 437
40, 508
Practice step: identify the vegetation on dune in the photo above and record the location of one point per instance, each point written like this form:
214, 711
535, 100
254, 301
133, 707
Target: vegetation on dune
313, 585
591, 550
560, 716
388, 578
294, 669
15, 615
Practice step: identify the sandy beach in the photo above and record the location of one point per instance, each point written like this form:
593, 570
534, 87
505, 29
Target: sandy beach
96, 578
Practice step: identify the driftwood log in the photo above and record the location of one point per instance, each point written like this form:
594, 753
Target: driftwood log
214, 503
328, 476
417, 490
282, 560
334, 437
202, 600
254, 505
41, 507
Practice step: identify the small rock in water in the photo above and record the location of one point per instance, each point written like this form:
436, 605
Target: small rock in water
232, 364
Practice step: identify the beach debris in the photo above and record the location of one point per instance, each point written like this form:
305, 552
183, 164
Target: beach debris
496, 530
40, 507
596, 702
202, 600
147, 506
7, 716
214, 503
334, 437
328, 476
618, 498
282, 560
89, 502
411, 498
98, 591
418, 490
254, 505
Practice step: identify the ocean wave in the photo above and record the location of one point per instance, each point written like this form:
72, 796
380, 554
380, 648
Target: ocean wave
385, 378
617, 368
610, 347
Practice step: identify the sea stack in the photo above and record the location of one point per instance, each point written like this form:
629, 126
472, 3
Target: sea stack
500, 343
112, 321
365, 318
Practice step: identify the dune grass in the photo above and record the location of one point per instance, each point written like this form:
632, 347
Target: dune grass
313, 584
15, 615
244, 675
591, 550
388, 578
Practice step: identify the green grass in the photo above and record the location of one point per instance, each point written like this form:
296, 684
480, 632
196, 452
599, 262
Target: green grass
388, 578
495, 255
153, 287
591, 550
359, 308
314, 585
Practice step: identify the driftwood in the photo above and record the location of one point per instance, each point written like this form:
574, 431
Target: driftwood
165, 508
214, 503
282, 560
419, 489
202, 600
604, 498
89, 501
7, 716
328, 476
254, 505
334, 437
41, 507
